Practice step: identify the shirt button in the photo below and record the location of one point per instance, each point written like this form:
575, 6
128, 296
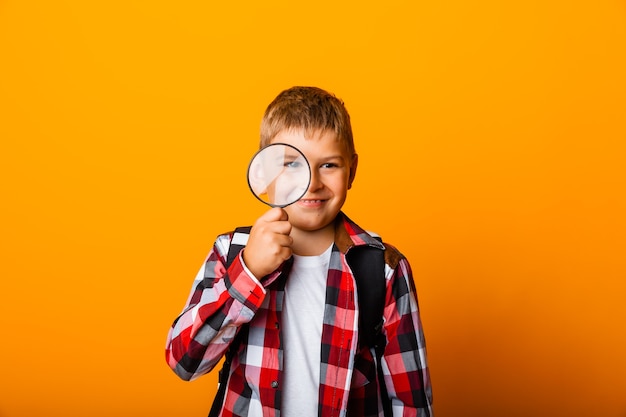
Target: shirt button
274, 384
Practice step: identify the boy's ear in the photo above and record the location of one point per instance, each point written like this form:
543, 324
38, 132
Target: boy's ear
353, 165
256, 179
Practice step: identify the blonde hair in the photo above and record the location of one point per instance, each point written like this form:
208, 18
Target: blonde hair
310, 109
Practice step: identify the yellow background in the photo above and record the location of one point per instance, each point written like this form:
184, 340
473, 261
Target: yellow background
491, 137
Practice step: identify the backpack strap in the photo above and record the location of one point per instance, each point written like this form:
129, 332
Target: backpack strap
368, 265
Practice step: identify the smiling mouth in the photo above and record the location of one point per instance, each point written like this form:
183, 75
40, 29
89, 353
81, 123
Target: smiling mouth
311, 201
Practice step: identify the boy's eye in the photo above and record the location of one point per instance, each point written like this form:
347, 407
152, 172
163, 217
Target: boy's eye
329, 165
293, 164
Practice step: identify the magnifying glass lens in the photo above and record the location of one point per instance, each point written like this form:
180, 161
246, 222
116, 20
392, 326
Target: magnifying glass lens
279, 175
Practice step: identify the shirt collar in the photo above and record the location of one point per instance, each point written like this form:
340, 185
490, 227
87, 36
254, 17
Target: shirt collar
349, 234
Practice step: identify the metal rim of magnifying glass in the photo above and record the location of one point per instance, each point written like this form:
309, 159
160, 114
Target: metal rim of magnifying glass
254, 157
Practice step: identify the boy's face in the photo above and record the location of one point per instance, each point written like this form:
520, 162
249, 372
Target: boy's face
332, 173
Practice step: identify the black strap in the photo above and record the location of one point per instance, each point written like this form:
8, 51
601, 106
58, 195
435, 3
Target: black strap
368, 265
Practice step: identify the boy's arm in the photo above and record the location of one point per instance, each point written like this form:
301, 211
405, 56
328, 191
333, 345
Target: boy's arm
220, 302
404, 361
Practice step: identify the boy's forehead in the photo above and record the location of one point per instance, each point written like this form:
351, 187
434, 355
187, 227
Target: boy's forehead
308, 134
317, 141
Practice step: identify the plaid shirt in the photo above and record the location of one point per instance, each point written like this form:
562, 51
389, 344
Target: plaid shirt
222, 301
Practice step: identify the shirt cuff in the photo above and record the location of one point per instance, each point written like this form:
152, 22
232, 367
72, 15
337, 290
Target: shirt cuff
250, 274
243, 286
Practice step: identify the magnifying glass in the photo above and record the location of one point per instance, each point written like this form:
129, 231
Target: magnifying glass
279, 175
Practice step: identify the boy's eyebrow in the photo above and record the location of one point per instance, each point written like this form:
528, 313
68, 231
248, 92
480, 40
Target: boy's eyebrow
332, 157
337, 159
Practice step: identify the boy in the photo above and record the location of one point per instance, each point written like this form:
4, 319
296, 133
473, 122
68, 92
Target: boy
292, 296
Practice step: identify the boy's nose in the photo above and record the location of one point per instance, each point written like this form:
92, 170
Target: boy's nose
316, 182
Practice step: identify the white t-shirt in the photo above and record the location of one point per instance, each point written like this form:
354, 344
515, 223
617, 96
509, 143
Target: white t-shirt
303, 315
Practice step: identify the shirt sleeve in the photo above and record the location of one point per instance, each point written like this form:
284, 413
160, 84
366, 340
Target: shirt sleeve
404, 361
220, 302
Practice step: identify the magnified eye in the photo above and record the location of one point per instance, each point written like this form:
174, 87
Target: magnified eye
293, 164
279, 175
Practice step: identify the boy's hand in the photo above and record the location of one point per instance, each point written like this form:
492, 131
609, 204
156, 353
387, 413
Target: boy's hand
269, 244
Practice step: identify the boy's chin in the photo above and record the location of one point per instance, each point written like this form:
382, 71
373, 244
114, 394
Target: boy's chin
310, 224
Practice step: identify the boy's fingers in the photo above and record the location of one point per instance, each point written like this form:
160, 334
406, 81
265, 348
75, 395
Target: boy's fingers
269, 244
274, 220
286, 253
274, 214
282, 227
285, 241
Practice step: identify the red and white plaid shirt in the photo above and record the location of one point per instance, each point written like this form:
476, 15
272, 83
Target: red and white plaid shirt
222, 301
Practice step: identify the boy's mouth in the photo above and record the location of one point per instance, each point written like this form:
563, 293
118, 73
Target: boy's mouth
311, 201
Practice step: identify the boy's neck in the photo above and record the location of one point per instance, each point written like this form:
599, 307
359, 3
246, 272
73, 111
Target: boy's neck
312, 243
